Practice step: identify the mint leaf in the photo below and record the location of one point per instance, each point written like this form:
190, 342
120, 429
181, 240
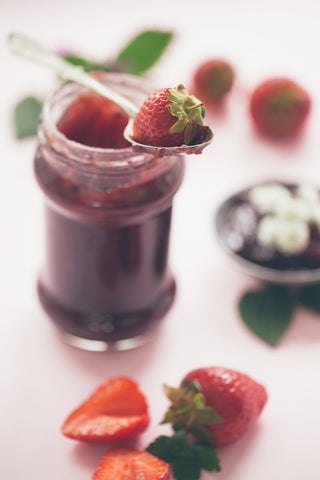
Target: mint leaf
310, 297
161, 448
168, 448
26, 117
186, 468
138, 56
268, 312
143, 51
179, 444
186, 458
86, 64
207, 457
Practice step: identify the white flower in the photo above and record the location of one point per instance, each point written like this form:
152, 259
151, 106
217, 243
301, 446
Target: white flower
267, 231
310, 196
289, 236
294, 208
278, 200
266, 198
315, 215
308, 193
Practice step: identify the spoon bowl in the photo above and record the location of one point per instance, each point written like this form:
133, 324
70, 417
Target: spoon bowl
202, 141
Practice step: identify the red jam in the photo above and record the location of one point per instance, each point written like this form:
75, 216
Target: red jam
94, 121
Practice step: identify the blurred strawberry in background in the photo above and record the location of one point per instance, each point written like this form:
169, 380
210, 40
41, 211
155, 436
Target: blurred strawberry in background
279, 107
212, 80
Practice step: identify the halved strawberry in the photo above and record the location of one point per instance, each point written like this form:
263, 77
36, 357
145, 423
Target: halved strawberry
117, 410
122, 463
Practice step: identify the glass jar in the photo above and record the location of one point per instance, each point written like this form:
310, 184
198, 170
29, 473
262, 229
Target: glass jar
106, 282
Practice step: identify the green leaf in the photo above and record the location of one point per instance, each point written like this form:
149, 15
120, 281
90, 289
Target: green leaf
179, 444
143, 51
310, 297
161, 448
26, 117
201, 432
186, 459
186, 468
170, 448
207, 457
268, 312
86, 64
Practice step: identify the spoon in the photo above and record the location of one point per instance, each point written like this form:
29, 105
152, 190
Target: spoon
27, 48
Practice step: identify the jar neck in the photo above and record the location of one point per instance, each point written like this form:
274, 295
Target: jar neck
83, 156
102, 185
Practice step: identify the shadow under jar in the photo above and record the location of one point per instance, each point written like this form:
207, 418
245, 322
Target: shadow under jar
106, 281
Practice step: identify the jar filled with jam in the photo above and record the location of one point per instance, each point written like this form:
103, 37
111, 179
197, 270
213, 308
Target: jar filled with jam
106, 281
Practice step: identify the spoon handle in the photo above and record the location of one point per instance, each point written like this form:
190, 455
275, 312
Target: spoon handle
31, 50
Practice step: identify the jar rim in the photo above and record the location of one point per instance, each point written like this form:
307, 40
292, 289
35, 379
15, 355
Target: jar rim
50, 136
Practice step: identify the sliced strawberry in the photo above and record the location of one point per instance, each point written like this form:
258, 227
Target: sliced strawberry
122, 463
117, 410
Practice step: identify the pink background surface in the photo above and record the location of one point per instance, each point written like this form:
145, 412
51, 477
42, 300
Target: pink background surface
43, 379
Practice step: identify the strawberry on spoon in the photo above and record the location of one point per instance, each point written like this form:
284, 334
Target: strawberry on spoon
198, 138
169, 117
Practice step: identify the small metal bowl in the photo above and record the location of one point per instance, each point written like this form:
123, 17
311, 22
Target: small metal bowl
272, 275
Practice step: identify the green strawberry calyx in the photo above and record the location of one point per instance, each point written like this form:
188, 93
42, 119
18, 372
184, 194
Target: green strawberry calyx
285, 104
188, 109
189, 411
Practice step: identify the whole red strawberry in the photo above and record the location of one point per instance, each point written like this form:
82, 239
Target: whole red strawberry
121, 463
212, 80
169, 117
234, 396
279, 107
117, 410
